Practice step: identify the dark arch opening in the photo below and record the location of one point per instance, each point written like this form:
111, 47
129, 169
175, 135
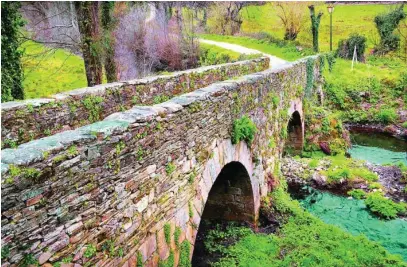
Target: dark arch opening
230, 199
294, 142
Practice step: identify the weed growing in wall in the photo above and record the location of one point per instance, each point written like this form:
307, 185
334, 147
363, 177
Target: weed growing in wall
243, 130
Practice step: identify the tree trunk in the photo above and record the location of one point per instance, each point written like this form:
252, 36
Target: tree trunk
315, 20
108, 24
88, 23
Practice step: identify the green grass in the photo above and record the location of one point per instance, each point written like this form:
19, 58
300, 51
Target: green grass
289, 52
304, 240
212, 54
50, 73
346, 19
384, 207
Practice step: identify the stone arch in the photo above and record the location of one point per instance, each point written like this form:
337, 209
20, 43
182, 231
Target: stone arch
231, 186
295, 129
231, 196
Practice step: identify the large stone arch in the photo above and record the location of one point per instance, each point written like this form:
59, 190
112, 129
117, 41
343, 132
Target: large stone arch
230, 187
295, 128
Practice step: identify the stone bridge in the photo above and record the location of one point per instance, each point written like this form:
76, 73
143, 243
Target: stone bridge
132, 188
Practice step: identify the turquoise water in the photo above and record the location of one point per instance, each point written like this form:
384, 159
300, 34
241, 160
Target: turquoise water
378, 148
352, 216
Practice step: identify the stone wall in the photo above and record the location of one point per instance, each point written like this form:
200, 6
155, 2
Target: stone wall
35, 118
132, 188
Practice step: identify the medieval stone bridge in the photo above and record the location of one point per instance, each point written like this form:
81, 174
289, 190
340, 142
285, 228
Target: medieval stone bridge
117, 183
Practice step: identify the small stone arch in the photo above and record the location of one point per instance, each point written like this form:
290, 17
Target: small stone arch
295, 129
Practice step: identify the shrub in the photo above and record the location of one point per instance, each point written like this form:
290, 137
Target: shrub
387, 115
386, 24
346, 47
338, 174
243, 129
404, 124
357, 193
383, 207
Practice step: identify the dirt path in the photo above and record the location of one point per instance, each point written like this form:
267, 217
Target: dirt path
275, 62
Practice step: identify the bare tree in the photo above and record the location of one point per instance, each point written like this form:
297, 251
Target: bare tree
292, 16
227, 17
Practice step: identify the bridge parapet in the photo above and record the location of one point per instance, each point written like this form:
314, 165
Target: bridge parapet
35, 118
124, 179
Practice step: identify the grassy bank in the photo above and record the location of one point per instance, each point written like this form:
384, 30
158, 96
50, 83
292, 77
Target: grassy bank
303, 240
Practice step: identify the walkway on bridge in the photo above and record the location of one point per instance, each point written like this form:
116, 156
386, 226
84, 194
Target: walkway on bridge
275, 62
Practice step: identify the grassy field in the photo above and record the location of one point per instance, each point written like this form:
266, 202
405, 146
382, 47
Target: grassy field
346, 19
50, 73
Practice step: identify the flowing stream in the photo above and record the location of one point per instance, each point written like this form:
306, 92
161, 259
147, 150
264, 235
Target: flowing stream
351, 214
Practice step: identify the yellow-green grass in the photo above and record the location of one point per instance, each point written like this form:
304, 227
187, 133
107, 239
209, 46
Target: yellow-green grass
220, 50
285, 52
380, 68
48, 72
346, 19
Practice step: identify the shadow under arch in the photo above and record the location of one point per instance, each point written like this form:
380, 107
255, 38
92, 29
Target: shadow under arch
231, 198
295, 137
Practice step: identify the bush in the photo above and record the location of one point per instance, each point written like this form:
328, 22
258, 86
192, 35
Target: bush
243, 129
387, 115
404, 124
383, 207
386, 24
338, 174
346, 47
357, 193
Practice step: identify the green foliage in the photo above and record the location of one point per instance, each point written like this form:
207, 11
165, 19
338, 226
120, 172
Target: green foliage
338, 174
139, 260
11, 72
185, 250
404, 124
346, 47
28, 260
217, 239
330, 58
94, 107
167, 233
243, 129
310, 77
170, 168
304, 240
384, 207
160, 99
169, 262
315, 21
72, 151
5, 252
357, 193
90, 251
387, 115
313, 163
386, 24
375, 185
177, 234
